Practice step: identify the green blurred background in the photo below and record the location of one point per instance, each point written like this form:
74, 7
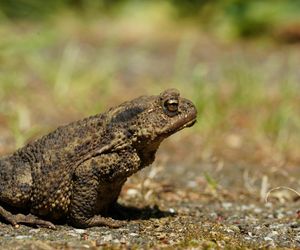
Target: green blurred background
238, 60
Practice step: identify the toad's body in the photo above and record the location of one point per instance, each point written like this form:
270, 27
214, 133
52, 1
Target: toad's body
77, 171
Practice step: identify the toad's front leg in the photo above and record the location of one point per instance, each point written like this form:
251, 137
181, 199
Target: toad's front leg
97, 183
88, 205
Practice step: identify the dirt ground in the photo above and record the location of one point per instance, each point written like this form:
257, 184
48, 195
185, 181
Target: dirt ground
177, 204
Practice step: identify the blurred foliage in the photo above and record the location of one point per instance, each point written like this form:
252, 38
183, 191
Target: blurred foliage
242, 18
74, 58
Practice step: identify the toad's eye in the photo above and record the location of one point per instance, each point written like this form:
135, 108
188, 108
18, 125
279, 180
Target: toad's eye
171, 106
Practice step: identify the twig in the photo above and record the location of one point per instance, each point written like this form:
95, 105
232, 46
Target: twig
281, 187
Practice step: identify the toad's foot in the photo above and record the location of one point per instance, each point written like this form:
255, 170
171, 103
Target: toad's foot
98, 220
29, 219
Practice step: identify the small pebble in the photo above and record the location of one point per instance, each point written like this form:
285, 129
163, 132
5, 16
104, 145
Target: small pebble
123, 241
107, 238
33, 231
20, 237
268, 205
132, 192
257, 210
268, 239
79, 231
172, 210
226, 205
84, 236
116, 241
272, 234
235, 229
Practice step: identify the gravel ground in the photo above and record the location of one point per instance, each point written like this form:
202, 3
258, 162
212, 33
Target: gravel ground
183, 225
171, 206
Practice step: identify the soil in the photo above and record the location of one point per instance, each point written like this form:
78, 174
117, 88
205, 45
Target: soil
185, 202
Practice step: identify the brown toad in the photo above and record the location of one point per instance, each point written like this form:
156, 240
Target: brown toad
77, 171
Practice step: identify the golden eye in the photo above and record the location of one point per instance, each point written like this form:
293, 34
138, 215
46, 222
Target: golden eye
171, 106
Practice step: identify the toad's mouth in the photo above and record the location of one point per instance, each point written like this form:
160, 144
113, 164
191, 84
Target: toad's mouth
186, 121
183, 124
189, 124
